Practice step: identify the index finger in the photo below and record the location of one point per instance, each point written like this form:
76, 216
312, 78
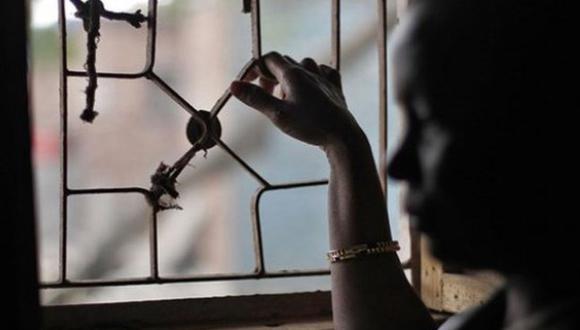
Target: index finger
277, 65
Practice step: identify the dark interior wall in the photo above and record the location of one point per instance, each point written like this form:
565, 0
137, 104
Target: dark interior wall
20, 296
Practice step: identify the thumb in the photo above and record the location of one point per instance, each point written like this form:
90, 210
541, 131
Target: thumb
257, 98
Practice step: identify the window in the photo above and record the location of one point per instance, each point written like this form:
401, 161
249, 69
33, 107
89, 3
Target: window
105, 240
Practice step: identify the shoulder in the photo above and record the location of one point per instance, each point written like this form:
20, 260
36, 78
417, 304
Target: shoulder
488, 316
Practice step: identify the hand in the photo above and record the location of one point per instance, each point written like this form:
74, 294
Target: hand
309, 105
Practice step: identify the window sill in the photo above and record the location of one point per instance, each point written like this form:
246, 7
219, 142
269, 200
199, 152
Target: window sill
283, 311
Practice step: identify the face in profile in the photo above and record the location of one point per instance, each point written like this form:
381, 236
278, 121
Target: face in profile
484, 110
450, 153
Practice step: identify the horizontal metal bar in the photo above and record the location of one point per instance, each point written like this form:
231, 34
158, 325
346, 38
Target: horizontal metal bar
108, 191
114, 75
168, 280
296, 185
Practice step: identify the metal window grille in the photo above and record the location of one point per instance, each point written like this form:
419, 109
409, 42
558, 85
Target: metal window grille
252, 7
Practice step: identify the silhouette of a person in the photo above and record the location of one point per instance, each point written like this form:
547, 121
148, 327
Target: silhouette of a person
475, 82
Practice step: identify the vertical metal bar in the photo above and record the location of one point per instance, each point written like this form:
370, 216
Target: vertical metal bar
151, 52
335, 37
382, 45
151, 35
257, 232
256, 30
153, 246
63, 143
257, 53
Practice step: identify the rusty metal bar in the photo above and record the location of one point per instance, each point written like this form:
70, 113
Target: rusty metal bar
257, 232
256, 29
113, 75
63, 144
151, 36
335, 35
108, 191
174, 95
291, 185
256, 223
154, 246
221, 102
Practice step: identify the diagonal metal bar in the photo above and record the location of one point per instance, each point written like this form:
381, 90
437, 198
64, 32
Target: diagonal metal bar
174, 95
240, 161
221, 102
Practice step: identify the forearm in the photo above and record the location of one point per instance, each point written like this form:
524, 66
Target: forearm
369, 293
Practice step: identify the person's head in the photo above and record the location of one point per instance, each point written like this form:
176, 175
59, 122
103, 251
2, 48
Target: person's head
472, 81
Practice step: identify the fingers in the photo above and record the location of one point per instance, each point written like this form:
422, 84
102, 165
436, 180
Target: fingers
291, 60
267, 84
331, 74
251, 74
310, 65
277, 65
257, 98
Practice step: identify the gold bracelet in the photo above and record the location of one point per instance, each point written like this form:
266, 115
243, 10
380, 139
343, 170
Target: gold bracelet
362, 250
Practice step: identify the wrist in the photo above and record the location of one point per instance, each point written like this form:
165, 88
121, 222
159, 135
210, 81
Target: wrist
351, 141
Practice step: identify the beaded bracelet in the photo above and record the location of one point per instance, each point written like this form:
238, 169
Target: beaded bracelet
362, 250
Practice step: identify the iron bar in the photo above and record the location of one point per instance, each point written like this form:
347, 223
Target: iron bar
383, 118
221, 102
174, 96
257, 232
108, 191
240, 161
63, 144
201, 278
256, 223
335, 35
113, 75
153, 246
256, 30
151, 37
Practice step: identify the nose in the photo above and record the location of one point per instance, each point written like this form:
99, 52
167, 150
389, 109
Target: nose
404, 164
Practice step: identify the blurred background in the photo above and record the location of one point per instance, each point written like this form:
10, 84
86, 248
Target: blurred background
201, 46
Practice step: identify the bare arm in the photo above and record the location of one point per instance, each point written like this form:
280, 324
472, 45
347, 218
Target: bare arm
370, 293
367, 293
